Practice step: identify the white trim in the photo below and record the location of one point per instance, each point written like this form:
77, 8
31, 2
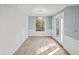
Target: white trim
60, 37
19, 44
62, 22
40, 33
45, 25
71, 45
35, 24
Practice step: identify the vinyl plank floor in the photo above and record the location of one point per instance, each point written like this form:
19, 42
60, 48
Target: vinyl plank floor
40, 45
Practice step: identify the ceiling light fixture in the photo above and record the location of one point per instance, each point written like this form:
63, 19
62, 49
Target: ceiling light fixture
40, 11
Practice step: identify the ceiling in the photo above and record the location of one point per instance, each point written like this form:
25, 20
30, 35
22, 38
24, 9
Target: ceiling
41, 9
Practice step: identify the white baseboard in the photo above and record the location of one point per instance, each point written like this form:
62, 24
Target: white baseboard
40, 33
22, 37
19, 45
71, 45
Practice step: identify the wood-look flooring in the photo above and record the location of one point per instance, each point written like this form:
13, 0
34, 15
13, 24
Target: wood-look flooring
40, 45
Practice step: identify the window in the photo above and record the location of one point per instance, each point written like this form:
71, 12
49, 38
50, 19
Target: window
40, 23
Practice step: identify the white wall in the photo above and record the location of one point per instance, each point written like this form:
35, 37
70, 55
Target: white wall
70, 38
71, 22
48, 26
71, 30
13, 28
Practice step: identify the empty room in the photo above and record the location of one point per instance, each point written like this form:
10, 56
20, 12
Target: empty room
39, 29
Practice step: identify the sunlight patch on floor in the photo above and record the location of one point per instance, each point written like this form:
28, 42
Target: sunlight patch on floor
44, 48
54, 51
